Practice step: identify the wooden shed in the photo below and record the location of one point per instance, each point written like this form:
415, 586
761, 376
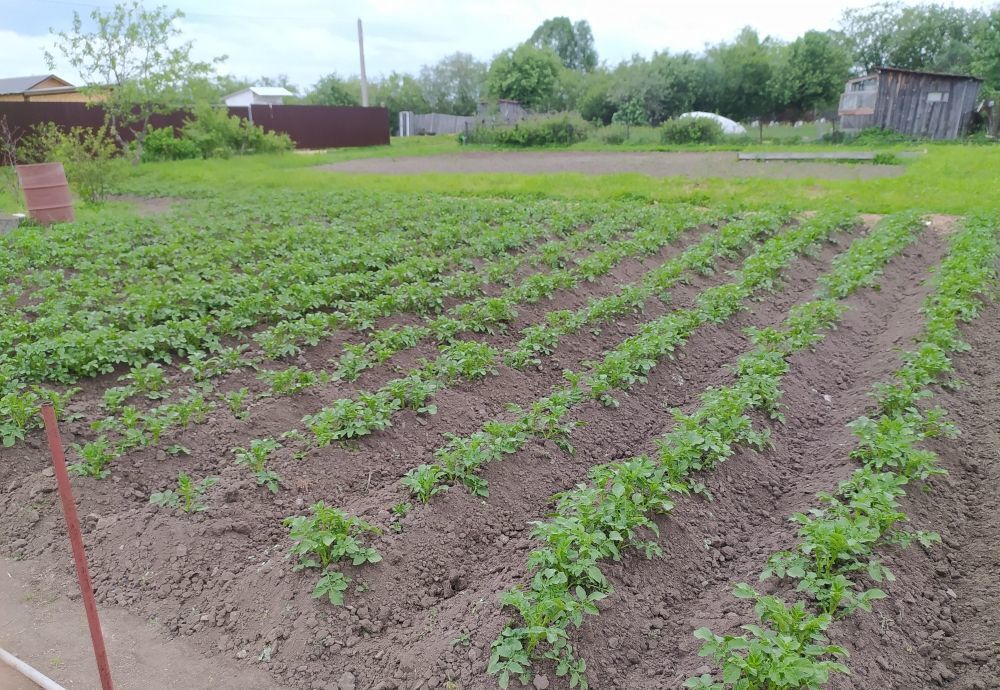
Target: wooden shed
921, 104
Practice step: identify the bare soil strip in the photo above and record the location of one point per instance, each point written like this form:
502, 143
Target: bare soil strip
654, 164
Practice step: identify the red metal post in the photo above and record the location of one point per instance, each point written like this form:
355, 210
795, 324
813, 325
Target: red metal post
76, 541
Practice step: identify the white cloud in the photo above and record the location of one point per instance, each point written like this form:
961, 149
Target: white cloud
308, 38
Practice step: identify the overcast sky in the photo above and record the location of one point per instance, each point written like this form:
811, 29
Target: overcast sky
308, 38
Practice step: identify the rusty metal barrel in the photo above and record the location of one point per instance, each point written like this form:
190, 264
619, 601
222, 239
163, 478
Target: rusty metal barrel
46, 192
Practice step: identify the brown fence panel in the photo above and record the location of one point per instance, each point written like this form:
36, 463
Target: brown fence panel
323, 126
309, 126
21, 117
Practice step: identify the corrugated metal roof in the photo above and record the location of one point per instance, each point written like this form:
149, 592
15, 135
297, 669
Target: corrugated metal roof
927, 74
22, 84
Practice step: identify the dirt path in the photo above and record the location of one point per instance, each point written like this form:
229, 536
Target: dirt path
654, 164
42, 623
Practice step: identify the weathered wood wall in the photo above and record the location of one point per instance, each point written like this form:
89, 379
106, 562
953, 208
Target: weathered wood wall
925, 105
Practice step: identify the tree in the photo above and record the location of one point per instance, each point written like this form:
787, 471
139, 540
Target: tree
666, 85
811, 72
526, 74
454, 84
397, 92
924, 37
986, 50
595, 103
745, 68
630, 114
332, 90
129, 64
573, 43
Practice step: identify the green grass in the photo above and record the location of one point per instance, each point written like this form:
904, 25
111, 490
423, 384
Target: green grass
948, 178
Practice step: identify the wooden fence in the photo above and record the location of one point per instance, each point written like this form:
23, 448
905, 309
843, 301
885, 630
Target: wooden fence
309, 126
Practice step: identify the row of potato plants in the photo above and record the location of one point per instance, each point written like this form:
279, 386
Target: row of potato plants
615, 508
76, 325
543, 338
346, 418
837, 554
372, 411
482, 313
150, 380
491, 314
462, 458
224, 359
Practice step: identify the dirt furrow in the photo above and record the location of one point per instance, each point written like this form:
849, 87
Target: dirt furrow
645, 638
222, 578
469, 550
940, 625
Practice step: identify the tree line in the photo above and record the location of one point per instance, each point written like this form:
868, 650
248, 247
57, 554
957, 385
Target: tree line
557, 68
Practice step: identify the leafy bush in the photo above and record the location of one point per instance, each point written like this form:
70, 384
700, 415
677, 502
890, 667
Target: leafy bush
887, 159
217, 134
557, 130
876, 136
164, 145
691, 130
89, 156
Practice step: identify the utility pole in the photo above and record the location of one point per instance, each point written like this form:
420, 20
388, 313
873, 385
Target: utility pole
364, 79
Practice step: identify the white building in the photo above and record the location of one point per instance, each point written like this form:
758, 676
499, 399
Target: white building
258, 95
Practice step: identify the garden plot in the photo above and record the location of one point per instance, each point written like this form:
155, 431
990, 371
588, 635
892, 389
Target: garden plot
456, 443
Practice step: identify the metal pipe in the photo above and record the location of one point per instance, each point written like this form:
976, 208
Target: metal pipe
38, 678
76, 541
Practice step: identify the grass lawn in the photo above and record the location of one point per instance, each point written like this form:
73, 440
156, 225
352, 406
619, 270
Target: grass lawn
947, 178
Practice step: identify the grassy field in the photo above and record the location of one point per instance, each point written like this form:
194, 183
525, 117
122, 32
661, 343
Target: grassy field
946, 178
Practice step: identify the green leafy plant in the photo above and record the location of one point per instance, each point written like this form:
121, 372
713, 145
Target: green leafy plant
236, 400
187, 497
424, 482
255, 459
95, 458
325, 538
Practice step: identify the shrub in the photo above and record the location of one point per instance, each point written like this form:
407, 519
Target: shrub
557, 130
875, 136
217, 134
164, 145
886, 159
691, 130
88, 156
613, 135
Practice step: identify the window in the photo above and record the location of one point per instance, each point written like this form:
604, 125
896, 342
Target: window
937, 97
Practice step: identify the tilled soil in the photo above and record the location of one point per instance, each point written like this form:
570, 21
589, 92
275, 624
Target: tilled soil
426, 615
653, 164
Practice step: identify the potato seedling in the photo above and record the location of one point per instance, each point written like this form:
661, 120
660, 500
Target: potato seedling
255, 459
236, 401
187, 497
325, 538
95, 458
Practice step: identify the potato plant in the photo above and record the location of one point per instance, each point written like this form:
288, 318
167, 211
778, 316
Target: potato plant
255, 459
597, 520
837, 551
187, 497
324, 538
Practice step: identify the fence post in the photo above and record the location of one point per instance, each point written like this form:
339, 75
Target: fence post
76, 543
